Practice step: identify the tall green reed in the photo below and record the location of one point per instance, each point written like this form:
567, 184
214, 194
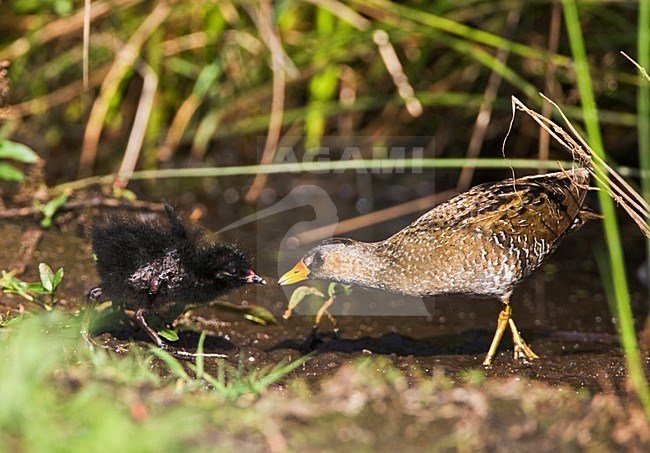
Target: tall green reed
612, 236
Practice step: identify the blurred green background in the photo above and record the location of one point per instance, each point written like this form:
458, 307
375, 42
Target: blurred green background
214, 69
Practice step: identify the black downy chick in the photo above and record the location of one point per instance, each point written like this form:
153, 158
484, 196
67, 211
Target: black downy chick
145, 265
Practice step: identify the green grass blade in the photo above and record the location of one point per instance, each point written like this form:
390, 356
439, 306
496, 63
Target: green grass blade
362, 165
643, 104
174, 365
612, 236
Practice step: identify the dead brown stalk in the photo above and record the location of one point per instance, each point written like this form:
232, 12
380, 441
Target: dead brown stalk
630, 200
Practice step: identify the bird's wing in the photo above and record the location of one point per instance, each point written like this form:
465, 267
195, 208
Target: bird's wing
547, 208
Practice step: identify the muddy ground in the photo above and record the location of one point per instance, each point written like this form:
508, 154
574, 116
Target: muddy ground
561, 311
575, 396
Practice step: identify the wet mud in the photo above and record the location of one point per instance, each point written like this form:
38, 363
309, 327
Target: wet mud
561, 311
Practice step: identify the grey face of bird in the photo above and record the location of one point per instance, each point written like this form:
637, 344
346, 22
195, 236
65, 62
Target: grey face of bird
343, 261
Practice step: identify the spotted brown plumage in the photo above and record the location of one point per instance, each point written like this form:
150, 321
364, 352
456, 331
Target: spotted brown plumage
481, 243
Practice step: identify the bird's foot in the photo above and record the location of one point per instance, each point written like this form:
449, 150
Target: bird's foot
175, 352
522, 350
94, 344
524, 353
90, 341
313, 340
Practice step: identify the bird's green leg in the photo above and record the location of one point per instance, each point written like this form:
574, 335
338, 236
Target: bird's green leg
522, 350
502, 323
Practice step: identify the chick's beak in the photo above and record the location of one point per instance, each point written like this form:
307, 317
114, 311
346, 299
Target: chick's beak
252, 277
295, 275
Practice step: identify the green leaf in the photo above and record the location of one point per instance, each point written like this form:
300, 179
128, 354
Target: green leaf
10, 173
260, 315
347, 289
47, 277
57, 278
253, 313
18, 152
298, 296
54, 204
9, 320
200, 363
62, 7
337, 289
128, 195
168, 335
50, 208
172, 363
207, 78
36, 287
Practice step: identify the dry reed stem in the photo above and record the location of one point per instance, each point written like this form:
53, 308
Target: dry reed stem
621, 185
396, 71
61, 27
281, 65
617, 188
57, 97
343, 12
191, 41
485, 110
142, 115
228, 11
550, 82
641, 69
86, 43
124, 61
135, 205
178, 125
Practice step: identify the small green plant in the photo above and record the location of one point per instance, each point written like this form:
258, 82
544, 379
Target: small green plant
230, 382
10, 319
34, 292
16, 152
309, 292
168, 334
253, 313
50, 208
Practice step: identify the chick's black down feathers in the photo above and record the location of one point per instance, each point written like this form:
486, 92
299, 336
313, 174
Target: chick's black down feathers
151, 263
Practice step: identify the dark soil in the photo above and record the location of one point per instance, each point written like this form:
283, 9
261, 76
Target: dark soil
574, 397
561, 311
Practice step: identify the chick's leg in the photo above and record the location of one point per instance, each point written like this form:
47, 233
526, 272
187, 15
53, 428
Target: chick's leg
92, 298
176, 352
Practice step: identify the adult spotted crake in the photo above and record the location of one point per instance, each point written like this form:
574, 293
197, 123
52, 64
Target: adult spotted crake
481, 243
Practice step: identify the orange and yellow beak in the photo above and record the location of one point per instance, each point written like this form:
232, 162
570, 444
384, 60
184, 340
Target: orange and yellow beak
299, 273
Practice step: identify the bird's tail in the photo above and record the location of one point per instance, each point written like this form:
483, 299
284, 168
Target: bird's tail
178, 228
